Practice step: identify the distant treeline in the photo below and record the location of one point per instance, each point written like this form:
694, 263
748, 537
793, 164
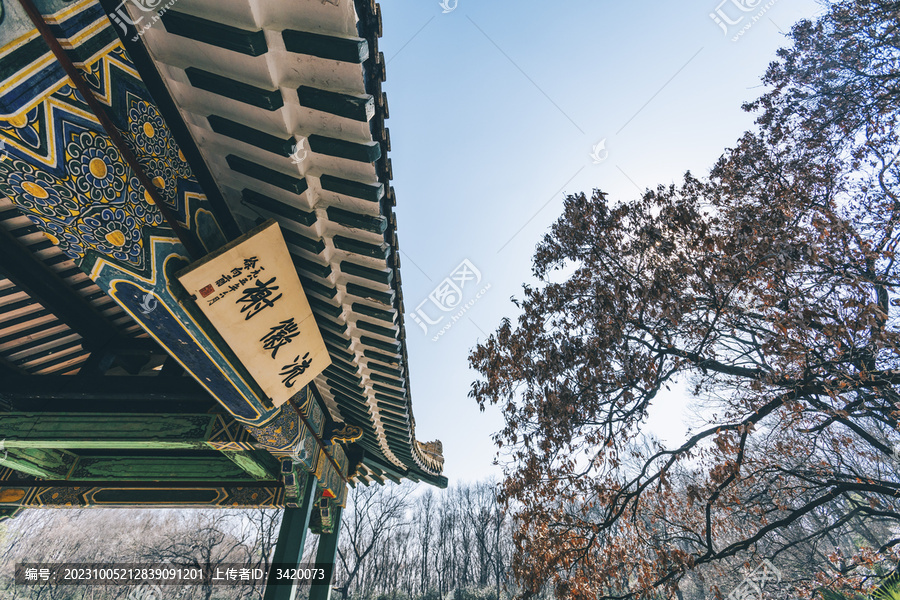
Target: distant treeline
396, 542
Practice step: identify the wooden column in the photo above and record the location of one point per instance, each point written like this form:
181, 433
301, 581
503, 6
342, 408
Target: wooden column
326, 554
291, 539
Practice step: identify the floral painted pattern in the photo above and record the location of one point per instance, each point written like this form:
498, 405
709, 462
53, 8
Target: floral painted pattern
37, 191
142, 203
83, 195
60, 207
147, 128
96, 167
24, 128
114, 232
180, 164
70, 244
162, 176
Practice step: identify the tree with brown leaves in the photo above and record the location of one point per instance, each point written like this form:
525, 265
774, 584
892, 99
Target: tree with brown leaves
771, 287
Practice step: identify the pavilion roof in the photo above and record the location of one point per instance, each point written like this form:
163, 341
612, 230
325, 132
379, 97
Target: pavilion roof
278, 108
283, 104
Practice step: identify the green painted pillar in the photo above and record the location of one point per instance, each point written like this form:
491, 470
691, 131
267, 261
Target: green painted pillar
291, 539
326, 554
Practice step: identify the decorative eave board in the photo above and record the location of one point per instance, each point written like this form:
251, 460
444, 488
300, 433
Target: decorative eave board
250, 293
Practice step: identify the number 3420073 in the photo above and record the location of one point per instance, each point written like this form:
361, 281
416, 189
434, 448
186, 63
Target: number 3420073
300, 574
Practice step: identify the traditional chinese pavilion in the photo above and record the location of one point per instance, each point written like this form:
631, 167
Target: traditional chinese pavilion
139, 138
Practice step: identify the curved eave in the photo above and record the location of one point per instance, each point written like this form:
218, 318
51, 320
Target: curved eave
283, 104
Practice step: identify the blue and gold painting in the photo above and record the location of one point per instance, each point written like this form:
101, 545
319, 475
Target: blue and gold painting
65, 172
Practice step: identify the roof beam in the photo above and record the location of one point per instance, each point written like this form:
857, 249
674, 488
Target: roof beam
38, 462
112, 387
70, 494
106, 431
110, 394
51, 432
183, 466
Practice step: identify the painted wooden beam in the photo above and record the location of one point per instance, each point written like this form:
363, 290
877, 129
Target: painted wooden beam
69, 431
124, 466
357, 108
234, 89
38, 462
249, 168
291, 540
121, 389
367, 153
254, 137
258, 464
348, 187
344, 49
68, 494
251, 43
24, 432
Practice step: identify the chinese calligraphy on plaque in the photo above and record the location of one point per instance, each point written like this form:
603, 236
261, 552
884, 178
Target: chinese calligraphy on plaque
252, 295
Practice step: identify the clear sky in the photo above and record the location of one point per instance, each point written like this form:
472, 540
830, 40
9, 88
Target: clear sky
496, 109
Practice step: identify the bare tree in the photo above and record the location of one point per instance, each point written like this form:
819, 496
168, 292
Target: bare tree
372, 515
204, 538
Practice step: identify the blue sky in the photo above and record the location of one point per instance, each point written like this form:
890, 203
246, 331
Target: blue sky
496, 108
